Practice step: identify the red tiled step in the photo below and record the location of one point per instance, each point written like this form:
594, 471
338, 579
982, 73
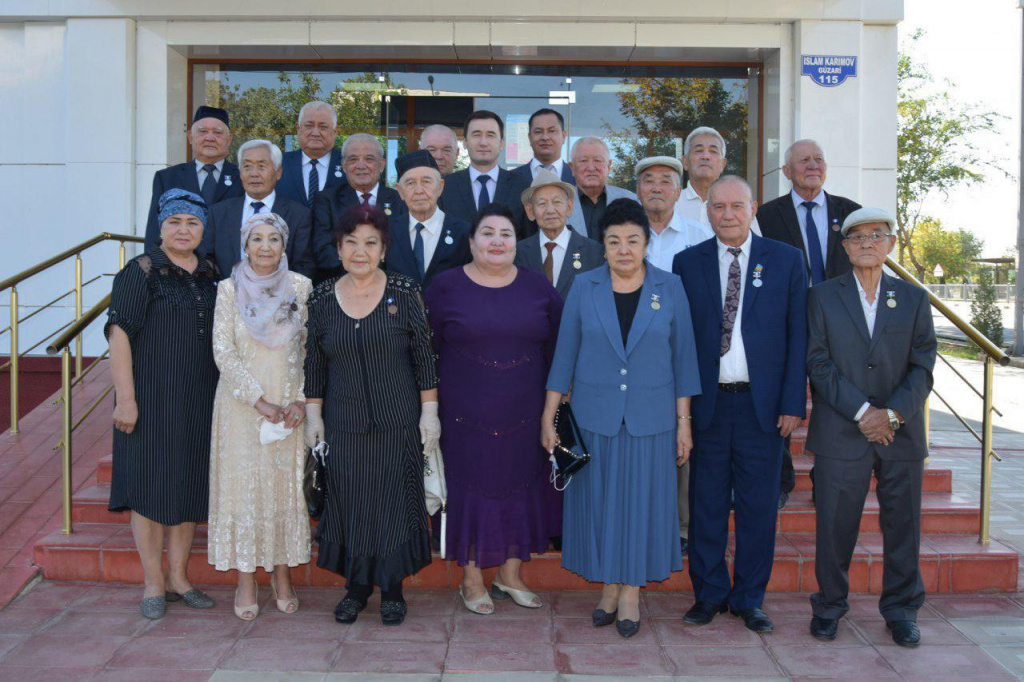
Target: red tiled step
104, 469
935, 480
950, 563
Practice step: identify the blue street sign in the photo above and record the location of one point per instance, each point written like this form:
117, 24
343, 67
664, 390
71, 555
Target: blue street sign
828, 70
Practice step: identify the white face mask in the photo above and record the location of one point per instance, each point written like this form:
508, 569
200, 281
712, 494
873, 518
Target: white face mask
271, 432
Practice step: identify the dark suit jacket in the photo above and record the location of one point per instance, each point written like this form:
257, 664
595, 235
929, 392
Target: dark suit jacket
184, 176
890, 369
291, 186
222, 239
774, 328
591, 254
457, 198
327, 209
526, 175
778, 221
400, 258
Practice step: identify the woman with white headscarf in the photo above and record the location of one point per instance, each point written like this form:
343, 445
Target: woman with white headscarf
258, 516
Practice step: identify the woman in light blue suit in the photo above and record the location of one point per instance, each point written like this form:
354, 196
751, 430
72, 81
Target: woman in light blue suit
626, 351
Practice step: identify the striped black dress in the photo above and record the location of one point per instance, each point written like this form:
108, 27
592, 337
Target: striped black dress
161, 470
369, 373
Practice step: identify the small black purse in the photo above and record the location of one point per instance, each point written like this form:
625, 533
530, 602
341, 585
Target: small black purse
314, 479
570, 455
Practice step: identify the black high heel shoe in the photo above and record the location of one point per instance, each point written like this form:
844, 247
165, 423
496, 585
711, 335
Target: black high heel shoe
627, 628
602, 617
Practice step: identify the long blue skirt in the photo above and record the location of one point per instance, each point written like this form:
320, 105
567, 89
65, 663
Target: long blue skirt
621, 519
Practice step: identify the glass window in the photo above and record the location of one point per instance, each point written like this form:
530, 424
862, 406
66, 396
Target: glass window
638, 110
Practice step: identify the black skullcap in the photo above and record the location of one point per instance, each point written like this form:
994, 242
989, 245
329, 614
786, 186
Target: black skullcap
420, 158
211, 112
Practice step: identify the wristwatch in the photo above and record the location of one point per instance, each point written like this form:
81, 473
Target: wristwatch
894, 421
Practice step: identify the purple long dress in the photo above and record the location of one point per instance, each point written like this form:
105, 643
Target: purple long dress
494, 349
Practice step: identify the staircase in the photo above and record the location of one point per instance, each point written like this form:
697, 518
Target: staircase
952, 561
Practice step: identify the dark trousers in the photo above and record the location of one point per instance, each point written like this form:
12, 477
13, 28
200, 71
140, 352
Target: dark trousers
733, 455
841, 486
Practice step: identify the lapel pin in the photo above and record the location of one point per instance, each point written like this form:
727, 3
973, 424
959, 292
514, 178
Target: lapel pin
655, 302
227, 180
387, 208
337, 171
890, 299
448, 237
757, 276
392, 308
577, 264
835, 225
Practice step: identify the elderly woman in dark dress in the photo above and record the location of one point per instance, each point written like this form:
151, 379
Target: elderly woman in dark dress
371, 394
159, 327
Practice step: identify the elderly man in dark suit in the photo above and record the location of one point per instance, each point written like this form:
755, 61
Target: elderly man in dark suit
870, 355
424, 242
209, 174
362, 160
556, 250
468, 191
748, 302
316, 164
260, 170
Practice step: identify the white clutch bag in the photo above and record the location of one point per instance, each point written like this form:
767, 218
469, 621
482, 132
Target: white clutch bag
435, 490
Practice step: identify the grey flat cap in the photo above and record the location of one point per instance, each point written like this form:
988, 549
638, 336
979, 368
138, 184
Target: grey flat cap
546, 178
867, 215
673, 163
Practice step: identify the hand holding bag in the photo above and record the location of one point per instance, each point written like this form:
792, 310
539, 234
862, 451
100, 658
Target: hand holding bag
314, 479
570, 454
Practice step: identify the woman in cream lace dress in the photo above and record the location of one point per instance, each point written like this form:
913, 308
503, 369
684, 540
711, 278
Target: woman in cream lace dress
258, 516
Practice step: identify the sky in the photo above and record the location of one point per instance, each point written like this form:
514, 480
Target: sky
976, 44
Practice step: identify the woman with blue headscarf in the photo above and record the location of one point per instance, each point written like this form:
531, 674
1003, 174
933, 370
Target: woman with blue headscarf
160, 328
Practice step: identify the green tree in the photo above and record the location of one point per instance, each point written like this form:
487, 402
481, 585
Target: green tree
985, 314
936, 148
954, 250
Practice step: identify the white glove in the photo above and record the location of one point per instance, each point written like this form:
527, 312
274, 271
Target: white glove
314, 425
430, 426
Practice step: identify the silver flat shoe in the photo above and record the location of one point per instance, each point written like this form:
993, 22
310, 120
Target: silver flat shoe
194, 598
524, 598
153, 608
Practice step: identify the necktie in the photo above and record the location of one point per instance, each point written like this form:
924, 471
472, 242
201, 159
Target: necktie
549, 261
732, 300
814, 246
485, 196
366, 198
417, 250
257, 206
547, 167
314, 182
209, 188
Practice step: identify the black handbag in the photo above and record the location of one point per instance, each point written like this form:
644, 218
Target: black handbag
314, 479
571, 454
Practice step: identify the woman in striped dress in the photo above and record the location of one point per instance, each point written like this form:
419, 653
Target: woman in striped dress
371, 393
160, 326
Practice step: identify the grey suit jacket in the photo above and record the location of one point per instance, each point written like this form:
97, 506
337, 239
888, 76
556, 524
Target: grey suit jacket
891, 368
591, 255
576, 218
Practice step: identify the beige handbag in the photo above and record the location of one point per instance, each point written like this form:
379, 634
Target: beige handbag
435, 489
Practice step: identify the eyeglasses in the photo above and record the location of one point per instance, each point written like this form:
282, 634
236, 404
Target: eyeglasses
874, 238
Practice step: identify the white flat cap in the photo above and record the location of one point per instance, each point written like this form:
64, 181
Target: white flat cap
867, 215
546, 178
671, 162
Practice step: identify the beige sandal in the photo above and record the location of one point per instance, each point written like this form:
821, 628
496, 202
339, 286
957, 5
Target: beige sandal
244, 612
290, 605
476, 605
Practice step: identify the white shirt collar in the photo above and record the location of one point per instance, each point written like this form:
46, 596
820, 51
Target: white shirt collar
432, 224
723, 250
200, 164
675, 223
322, 161
690, 194
864, 294
799, 200
562, 239
556, 164
268, 201
373, 193
492, 174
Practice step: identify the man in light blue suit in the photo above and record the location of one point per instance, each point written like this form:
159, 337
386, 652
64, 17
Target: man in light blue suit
748, 301
316, 164
591, 163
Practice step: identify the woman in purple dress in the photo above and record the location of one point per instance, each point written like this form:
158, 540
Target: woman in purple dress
495, 327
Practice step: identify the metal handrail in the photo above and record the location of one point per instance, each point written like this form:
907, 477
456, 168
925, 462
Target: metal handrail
78, 327
967, 381
64, 255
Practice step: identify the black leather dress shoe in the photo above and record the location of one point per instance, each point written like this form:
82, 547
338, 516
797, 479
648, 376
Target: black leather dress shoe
348, 610
602, 617
755, 619
627, 628
824, 628
703, 613
905, 632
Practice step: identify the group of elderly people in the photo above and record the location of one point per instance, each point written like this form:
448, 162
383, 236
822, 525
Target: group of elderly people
455, 314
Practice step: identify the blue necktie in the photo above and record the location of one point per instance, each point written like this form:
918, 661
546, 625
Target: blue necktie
814, 246
417, 250
257, 206
209, 188
485, 196
314, 183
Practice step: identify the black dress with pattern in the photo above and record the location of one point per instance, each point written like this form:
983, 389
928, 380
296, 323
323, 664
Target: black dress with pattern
369, 373
161, 469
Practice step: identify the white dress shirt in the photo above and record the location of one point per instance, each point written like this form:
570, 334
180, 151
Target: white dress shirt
870, 313
248, 212
431, 234
321, 172
820, 214
373, 195
558, 255
691, 206
680, 233
474, 184
733, 365
556, 165
201, 174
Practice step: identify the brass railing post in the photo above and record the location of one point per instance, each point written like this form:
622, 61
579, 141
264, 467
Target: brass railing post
78, 313
14, 361
66, 428
986, 453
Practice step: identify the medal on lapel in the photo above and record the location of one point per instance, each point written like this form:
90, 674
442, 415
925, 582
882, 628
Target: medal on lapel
655, 302
577, 264
448, 237
392, 308
227, 180
835, 225
387, 208
890, 299
337, 171
757, 283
